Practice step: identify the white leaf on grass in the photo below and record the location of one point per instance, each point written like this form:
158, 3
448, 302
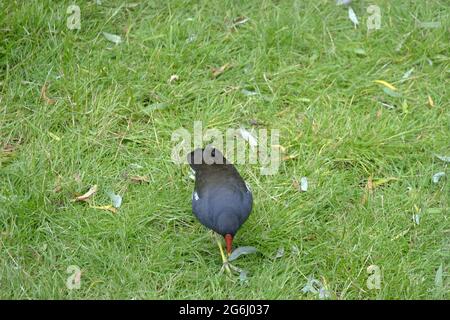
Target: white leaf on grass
304, 184
247, 136
352, 16
416, 218
316, 287
343, 2
387, 106
295, 250
438, 176
249, 93
280, 253
112, 37
240, 251
438, 281
407, 74
173, 78
191, 38
443, 158
115, 198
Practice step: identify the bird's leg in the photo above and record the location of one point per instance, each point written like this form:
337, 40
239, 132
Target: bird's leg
222, 254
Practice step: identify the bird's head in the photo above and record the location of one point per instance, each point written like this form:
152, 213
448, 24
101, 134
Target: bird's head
206, 156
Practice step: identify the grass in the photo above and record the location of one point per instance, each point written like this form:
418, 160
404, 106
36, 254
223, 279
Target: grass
317, 88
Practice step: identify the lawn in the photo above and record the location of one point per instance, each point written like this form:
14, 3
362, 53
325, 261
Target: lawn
78, 110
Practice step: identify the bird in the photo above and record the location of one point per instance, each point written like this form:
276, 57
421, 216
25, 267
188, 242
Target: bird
222, 200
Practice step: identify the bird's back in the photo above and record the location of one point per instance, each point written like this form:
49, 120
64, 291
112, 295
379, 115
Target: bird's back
221, 200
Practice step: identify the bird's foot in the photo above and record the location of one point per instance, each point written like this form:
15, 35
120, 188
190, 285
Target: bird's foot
226, 267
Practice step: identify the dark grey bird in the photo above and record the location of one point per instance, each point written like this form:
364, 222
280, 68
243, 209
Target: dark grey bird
221, 200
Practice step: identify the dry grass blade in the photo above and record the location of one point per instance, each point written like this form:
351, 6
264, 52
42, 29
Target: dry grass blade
106, 208
44, 96
88, 194
218, 71
140, 179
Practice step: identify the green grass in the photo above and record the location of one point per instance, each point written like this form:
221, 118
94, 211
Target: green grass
318, 91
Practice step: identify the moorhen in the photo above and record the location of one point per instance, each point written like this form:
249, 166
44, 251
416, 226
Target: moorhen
221, 200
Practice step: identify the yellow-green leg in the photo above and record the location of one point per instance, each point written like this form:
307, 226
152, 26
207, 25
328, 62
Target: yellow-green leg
222, 254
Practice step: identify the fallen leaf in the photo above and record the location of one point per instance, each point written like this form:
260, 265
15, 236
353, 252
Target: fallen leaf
218, 71
116, 199
280, 253
240, 251
174, 78
304, 184
44, 96
112, 37
430, 101
407, 74
249, 93
247, 136
191, 38
239, 21
88, 194
438, 176
387, 106
140, 179
106, 208
386, 84
352, 16
343, 2
443, 158
416, 218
